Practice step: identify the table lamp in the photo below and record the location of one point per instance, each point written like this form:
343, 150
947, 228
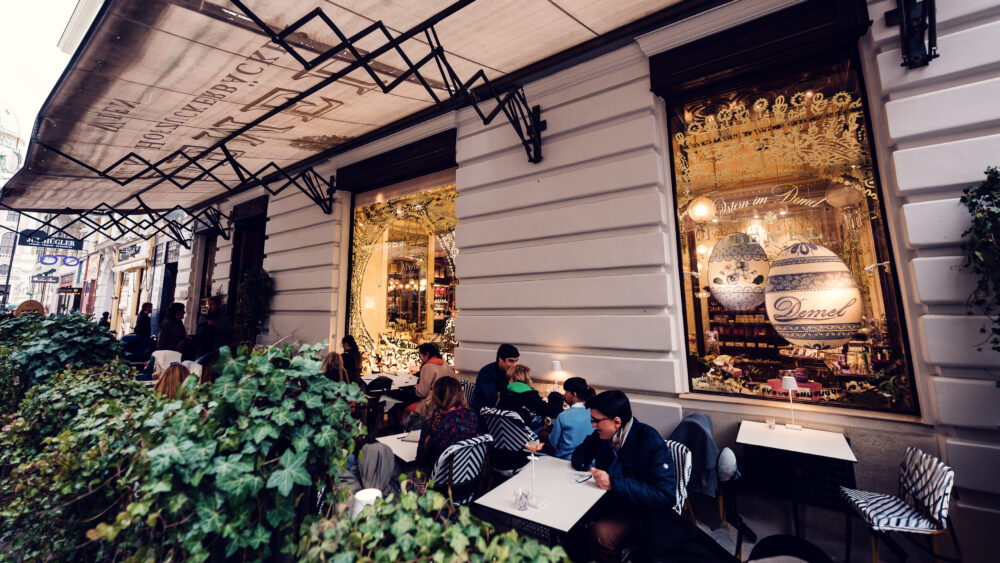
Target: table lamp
557, 372
789, 384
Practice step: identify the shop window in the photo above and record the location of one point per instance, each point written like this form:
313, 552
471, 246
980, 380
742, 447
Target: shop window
12, 216
403, 278
7, 244
785, 253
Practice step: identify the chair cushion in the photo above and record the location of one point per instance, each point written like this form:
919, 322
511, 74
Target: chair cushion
887, 513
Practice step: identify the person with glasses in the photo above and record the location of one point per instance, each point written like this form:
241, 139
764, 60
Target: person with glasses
629, 460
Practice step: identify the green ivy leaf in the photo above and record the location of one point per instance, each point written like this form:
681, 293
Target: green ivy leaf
291, 472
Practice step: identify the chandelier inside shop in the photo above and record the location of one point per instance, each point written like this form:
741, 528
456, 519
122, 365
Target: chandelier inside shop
182, 170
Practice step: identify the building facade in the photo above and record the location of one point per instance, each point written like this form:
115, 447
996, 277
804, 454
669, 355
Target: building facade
794, 120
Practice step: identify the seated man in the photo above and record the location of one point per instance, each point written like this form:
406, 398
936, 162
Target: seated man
629, 460
493, 377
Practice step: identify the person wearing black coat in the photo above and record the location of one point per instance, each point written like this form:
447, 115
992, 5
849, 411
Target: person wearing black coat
352, 359
630, 460
143, 325
172, 333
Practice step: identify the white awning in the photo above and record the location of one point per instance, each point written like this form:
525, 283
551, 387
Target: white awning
158, 76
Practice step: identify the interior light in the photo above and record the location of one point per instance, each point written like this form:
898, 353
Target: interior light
701, 210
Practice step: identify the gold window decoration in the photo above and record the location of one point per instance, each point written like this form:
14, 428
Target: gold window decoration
403, 278
785, 254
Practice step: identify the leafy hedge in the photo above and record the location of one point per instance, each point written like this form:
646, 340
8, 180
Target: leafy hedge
37, 347
242, 469
71, 450
981, 243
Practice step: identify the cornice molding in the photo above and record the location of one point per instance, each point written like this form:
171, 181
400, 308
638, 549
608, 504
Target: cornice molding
709, 23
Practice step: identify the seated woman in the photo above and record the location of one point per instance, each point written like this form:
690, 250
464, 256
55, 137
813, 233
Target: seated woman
519, 397
432, 368
333, 367
452, 421
572, 425
171, 380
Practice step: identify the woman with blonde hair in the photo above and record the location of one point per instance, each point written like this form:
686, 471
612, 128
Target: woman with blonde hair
519, 397
451, 422
171, 379
333, 367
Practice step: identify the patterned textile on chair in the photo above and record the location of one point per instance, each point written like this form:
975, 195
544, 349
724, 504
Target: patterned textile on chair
682, 467
469, 387
924, 479
460, 466
510, 435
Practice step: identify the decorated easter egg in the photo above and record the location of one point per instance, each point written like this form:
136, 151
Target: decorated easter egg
811, 297
737, 269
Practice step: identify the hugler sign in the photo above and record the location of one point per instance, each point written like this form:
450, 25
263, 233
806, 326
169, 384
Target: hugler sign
39, 238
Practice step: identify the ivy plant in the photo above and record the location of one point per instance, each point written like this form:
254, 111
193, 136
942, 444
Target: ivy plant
982, 251
41, 346
416, 528
230, 469
71, 448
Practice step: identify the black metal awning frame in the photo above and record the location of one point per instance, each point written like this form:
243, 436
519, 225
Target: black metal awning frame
525, 119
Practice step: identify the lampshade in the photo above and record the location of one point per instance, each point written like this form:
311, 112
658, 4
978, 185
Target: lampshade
701, 209
788, 383
556, 365
842, 195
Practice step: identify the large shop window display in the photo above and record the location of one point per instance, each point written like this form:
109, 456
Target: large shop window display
784, 248
403, 278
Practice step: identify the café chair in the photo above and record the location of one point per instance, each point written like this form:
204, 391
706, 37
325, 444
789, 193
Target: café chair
469, 387
787, 545
460, 466
510, 435
920, 506
682, 467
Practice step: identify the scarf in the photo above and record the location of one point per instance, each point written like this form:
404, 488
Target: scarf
618, 440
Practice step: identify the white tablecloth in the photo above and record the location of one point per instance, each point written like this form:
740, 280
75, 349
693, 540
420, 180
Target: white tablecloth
804, 441
398, 379
566, 500
405, 451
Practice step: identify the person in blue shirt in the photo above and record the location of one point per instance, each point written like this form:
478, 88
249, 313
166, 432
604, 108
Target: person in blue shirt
493, 377
629, 460
572, 425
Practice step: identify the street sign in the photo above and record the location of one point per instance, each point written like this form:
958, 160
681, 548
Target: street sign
70, 290
39, 238
44, 279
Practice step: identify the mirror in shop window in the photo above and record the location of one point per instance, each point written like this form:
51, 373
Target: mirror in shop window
403, 278
785, 252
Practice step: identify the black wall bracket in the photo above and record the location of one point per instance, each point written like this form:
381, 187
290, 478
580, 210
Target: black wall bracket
917, 31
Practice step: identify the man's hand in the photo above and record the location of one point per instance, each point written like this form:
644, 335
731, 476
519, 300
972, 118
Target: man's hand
602, 478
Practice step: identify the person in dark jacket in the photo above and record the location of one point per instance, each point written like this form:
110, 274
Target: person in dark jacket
520, 397
214, 328
172, 334
629, 460
493, 377
352, 358
143, 326
105, 321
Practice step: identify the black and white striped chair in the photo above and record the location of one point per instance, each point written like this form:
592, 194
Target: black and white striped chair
458, 469
469, 387
926, 483
510, 435
682, 468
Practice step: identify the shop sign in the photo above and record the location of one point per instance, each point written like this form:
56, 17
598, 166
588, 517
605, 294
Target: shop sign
53, 259
93, 266
70, 291
173, 252
133, 251
39, 238
29, 306
44, 279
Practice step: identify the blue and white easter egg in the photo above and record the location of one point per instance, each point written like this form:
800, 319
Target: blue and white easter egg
737, 269
811, 297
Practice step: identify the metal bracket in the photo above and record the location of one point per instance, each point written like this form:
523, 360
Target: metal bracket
917, 31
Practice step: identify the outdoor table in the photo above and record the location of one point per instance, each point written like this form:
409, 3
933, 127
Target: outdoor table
399, 380
404, 450
807, 464
566, 500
